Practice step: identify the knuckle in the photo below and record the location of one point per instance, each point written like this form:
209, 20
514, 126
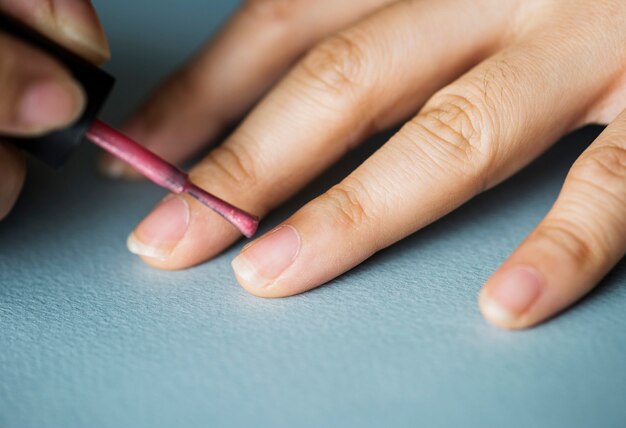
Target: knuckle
605, 164
454, 134
579, 244
186, 82
601, 172
335, 65
232, 165
347, 205
272, 10
191, 82
498, 84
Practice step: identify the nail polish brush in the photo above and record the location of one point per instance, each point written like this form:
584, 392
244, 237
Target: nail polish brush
56, 147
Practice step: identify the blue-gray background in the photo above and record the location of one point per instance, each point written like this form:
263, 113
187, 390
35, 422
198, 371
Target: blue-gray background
90, 337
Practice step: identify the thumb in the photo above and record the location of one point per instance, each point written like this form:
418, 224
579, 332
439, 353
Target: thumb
71, 23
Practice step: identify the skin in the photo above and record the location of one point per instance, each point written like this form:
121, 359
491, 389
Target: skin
481, 87
38, 94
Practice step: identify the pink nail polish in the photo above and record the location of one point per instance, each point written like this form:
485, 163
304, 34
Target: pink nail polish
159, 233
266, 259
514, 293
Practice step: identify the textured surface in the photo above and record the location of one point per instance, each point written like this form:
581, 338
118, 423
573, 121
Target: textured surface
89, 336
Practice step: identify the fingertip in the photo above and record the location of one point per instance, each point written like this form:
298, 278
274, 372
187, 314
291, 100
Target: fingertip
150, 253
248, 278
162, 264
244, 283
76, 25
509, 296
494, 314
180, 233
261, 263
250, 284
50, 104
73, 24
161, 231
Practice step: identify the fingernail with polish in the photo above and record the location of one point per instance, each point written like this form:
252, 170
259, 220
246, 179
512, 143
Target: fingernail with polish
261, 263
513, 294
161, 231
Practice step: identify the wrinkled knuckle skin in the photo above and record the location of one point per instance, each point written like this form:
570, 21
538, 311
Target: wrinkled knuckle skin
454, 134
347, 206
581, 247
233, 167
273, 10
602, 171
335, 65
605, 164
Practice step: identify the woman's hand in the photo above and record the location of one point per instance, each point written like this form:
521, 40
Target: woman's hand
483, 87
38, 94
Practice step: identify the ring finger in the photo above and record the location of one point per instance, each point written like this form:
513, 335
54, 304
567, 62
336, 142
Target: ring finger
224, 79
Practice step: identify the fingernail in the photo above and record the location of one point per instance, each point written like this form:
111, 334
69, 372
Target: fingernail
265, 260
78, 21
50, 104
512, 295
161, 231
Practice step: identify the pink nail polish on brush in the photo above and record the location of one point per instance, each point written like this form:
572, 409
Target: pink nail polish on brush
56, 147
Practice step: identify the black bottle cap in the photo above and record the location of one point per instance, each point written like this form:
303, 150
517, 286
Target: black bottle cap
56, 147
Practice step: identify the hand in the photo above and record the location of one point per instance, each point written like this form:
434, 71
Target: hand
483, 87
38, 94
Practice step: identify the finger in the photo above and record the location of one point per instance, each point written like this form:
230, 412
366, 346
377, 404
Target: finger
468, 137
223, 81
337, 95
12, 173
38, 94
580, 240
71, 23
